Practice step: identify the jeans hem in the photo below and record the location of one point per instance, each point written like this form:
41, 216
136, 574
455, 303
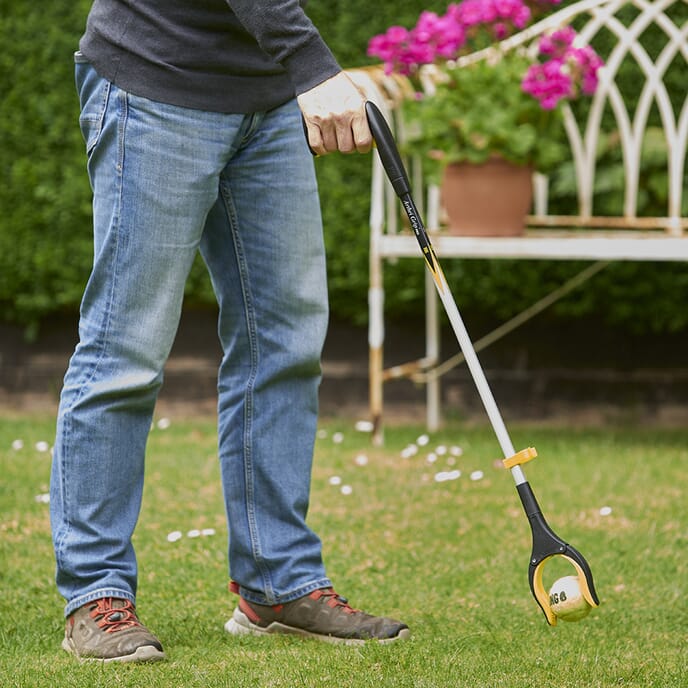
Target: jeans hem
256, 598
80, 601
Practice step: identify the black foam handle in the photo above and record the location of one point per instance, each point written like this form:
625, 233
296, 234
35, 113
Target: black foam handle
387, 148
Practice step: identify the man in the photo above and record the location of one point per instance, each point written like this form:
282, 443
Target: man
194, 140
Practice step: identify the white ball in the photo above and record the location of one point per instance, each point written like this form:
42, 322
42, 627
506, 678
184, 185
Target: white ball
566, 599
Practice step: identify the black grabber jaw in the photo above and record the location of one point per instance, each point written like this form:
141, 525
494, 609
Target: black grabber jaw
547, 544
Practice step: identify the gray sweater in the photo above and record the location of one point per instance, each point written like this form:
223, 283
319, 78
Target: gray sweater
219, 55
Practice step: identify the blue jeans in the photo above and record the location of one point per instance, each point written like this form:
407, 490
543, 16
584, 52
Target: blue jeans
168, 182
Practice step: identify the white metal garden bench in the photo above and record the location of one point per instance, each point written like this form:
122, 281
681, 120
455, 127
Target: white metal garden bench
584, 236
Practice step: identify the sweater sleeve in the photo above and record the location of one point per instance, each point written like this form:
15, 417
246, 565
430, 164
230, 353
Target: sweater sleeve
284, 31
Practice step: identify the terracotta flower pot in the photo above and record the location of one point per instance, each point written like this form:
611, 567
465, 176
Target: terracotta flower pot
491, 199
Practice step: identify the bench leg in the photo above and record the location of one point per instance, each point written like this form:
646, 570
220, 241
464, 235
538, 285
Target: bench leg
376, 335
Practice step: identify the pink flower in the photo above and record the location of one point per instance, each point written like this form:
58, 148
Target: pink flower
485, 12
586, 63
443, 35
562, 72
470, 12
548, 83
567, 71
392, 47
557, 42
386, 45
500, 30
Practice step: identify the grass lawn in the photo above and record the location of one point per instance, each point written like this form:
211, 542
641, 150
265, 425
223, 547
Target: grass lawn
448, 557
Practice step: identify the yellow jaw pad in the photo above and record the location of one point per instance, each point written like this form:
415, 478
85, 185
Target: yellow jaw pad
542, 596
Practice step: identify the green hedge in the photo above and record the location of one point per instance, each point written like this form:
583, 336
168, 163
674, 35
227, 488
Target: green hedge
45, 224
45, 236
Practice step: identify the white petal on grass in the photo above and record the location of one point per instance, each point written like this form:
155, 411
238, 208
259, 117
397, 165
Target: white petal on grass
43, 498
444, 476
207, 532
409, 450
441, 450
194, 533
42, 447
477, 475
346, 489
605, 511
363, 426
17, 445
321, 434
164, 423
431, 457
455, 450
338, 437
174, 536
335, 480
423, 440
361, 460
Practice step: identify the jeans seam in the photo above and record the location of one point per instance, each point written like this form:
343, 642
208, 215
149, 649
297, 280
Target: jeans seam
115, 229
107, 312
251, 331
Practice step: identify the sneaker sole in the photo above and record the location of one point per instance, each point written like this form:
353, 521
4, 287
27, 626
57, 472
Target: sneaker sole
240, 624
145, 653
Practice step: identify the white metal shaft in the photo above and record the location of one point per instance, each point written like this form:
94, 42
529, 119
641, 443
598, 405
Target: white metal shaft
478, 375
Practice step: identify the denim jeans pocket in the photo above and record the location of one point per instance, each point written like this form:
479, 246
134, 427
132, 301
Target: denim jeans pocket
94, 92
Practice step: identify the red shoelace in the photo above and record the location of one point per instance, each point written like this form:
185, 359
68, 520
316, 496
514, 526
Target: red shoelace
334, 600
113, 619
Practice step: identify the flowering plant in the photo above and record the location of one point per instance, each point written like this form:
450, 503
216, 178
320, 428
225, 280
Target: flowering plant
505, 104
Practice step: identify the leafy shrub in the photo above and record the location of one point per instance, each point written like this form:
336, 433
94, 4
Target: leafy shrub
45, 224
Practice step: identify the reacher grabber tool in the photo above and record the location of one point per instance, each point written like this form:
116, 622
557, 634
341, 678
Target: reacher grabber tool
546, 543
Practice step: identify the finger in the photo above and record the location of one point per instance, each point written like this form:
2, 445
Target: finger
363, 139
314, 136
307, 135
328, 132
345, 136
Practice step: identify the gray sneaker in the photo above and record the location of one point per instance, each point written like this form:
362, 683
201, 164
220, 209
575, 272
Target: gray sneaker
322, 615
108, 630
